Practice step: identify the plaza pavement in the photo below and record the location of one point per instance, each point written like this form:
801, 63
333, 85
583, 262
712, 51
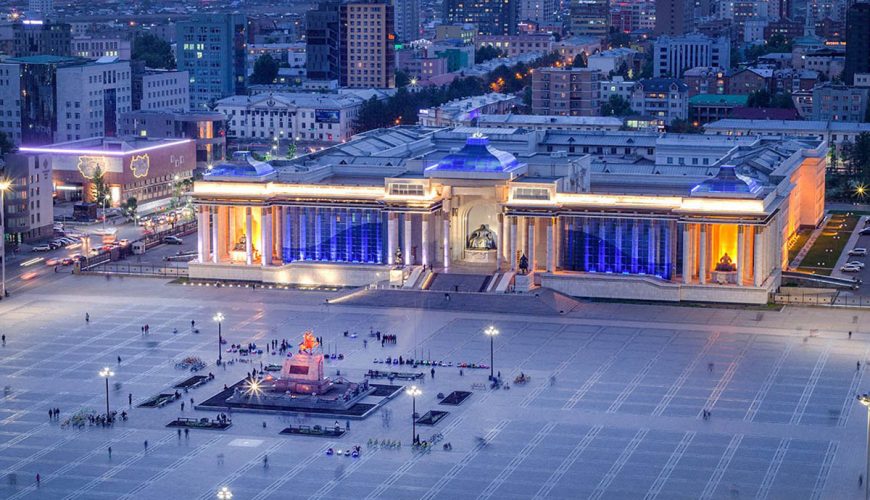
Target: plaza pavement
623, 419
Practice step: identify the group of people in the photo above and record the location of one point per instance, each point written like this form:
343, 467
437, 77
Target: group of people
145, 328
53, 413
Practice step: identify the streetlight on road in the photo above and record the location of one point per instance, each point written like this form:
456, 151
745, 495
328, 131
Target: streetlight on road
413, 391
219, 317
864, 399
106, 373
224, 494
4, 186
491, 331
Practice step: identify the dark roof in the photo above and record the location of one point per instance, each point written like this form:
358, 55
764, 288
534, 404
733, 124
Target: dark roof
744, 113
662, 84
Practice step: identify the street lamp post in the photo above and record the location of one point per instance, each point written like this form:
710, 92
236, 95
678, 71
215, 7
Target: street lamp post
413, 391
224, 494
106, 373
491, 331
219, 317
4, 186
864, 399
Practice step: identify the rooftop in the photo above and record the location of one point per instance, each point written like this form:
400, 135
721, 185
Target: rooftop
718, 99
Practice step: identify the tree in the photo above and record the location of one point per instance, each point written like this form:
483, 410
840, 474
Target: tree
683, 127
759, 99
265, 70
485, 53
619, 39
6, 145
782, 100
130, 207
616, 105
291, 150
402, 78
99, 190
580, 61
156, 52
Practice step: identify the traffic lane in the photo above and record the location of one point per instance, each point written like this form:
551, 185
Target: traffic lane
156, 255
863, 241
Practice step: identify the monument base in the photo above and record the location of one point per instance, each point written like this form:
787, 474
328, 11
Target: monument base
724, 277
480, 256
524, 282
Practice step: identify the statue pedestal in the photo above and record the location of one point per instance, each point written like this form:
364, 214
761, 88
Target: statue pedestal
524, 282
398, 277
724, 277
480, 256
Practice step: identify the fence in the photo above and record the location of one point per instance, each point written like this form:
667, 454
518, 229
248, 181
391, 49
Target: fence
823, 300
141, 270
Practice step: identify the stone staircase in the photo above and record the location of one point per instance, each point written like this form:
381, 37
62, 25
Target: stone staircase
452, 282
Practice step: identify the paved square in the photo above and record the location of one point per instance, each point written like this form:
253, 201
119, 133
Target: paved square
623, 418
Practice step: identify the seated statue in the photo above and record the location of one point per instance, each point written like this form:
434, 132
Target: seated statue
400, 261
725, 264
240, 246
481, 239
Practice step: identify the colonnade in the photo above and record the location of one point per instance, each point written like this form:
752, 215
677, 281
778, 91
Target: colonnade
757, 253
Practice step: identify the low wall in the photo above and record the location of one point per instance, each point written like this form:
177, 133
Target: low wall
301, 273
647, 288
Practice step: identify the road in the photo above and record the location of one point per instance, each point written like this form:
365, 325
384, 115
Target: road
27, 269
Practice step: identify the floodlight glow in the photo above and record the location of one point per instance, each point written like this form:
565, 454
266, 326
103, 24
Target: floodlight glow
100, 152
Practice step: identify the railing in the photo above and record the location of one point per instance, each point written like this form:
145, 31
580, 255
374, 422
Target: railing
141, 270
822, 299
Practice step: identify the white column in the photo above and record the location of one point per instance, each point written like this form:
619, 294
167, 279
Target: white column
221, 233
702, 262
392, 237
445, 233
634, 246
249, 233
499, 251
530, 237
740, 252
505, 238
758, 258
687, 254
278, 224
409, 239
512, 256
215, 234
424, 228
521, 235
266, 236
202, 233
551, 245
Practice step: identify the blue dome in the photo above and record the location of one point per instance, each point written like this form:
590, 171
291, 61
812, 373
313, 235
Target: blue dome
240, 170
727, 181
242, 165
477, 156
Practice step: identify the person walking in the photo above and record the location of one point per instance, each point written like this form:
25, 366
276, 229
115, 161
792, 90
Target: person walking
186, 433
146, 445
119, 360
432, 372
178, 431
130, 399
110, 452
182, 408
87, 318
37, 480
4, 339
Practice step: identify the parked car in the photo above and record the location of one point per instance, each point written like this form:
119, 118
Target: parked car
172, 240
850, 269
856, 263
857, 252
865, 231
45, 247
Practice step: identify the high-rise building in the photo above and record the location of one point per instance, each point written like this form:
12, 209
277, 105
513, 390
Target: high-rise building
566, 92
40, 9
492, 17
53, 99
674, 55
369, 52
590, 17
407, 21
324, 39
539, 11
673, 17
33, 38
857, 41
211, 47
